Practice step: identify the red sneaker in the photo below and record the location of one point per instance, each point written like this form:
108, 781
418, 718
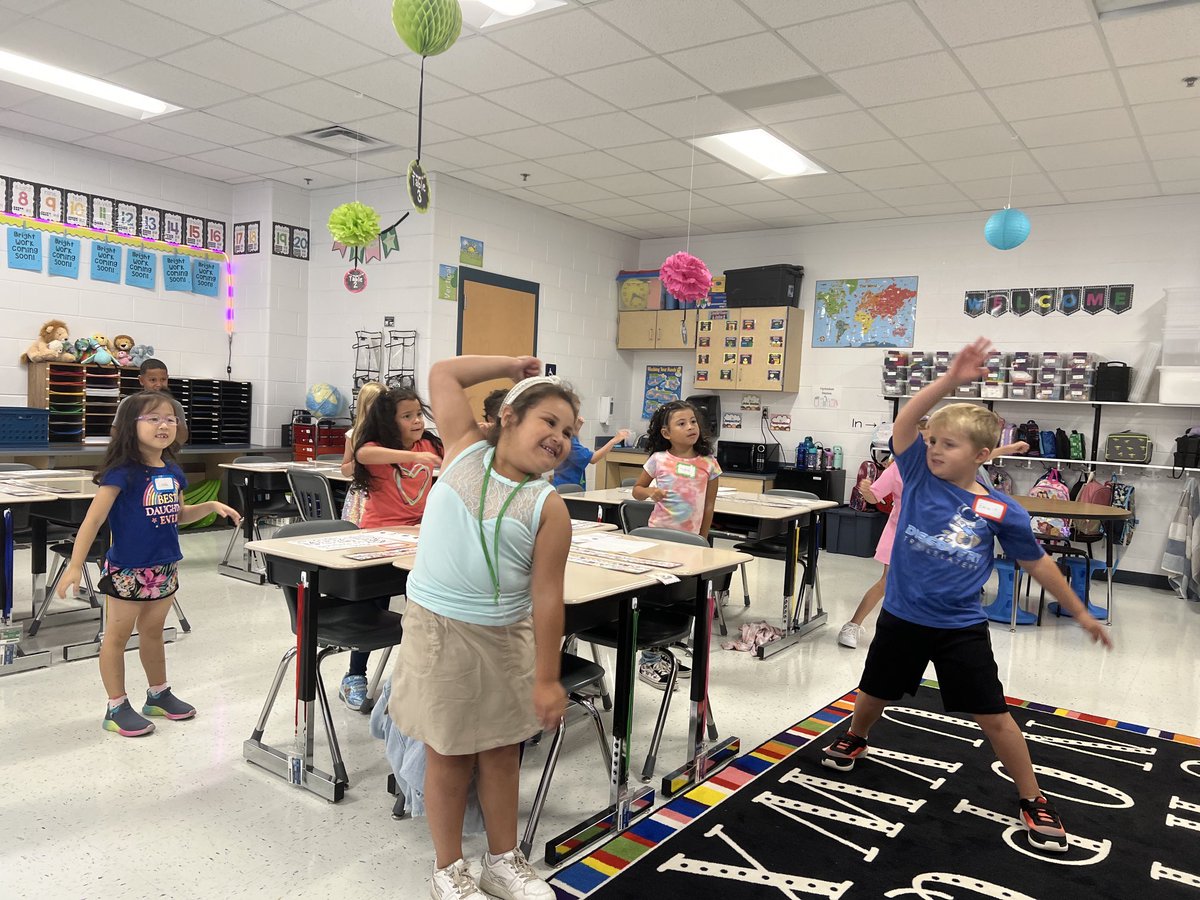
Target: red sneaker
844, 752
1045, 828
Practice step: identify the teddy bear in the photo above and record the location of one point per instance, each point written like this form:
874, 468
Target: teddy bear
41, 349
102, 356
140, 353
121, 345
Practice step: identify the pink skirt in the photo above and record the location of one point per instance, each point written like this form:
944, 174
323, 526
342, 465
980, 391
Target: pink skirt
883, 550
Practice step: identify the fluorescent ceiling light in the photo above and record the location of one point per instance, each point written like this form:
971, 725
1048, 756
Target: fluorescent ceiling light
510, 8
70, 85
1116, 9
758, 153
485, 13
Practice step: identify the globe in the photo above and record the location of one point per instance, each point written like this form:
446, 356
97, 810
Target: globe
323, 400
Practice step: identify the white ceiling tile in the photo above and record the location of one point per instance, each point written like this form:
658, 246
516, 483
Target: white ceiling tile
613, 130
1067, 51
1160, 81
569, 42
805, 186
24, 7
799, 221
207, 127
511, 174
633, 184
77, 114
977, 141
123, 25
1001, 200
172, 142
573, 192
469, 153
995, 165
675, 201
1178, 169
230, 64
527, 196
474, 115
865, 156
401, 128
1114, 192
637, 83
536, 142
832, 131
590, 164
201, 168
11, 94
753, 192
804, 109
654, 220
258, 112
1154, 35
772, 209
174, 85
233, 158
368, 23
1075, 128
127, 149
1166, 118
213, 16
43, 127
657, 154
778, 13
863, 38
843, 202
353, 172
1181, 145
939, 209
396, 160
667, 25
1103, 176
972, 21
482, 180
895, 177
331, 103
288, 152
549, 101
867, 215
1096, 153
899, 81
60, 47
925, 194
936, 114
615, 206
395, 83
307, 178
1022, 185
743, 62
301, 43
1181, 187
719, 217
476, 64
1057, 96
704, 176
683, 118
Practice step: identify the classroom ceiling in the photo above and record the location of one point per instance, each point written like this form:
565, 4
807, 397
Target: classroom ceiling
587, 109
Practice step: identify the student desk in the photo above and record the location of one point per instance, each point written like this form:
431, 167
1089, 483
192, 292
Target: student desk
266, 475
797, 621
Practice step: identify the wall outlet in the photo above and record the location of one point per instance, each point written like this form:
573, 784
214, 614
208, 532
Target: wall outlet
389, 321
764, 412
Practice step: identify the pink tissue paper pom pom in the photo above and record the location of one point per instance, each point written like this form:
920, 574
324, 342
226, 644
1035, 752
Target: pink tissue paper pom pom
685, 277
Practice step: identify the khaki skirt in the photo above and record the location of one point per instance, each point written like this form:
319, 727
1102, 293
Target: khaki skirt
463, 688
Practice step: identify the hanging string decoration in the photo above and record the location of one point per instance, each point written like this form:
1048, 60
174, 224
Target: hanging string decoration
1007, 229
354, 225
685, 277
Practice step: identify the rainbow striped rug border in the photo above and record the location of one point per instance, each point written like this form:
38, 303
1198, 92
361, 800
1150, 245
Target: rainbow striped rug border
586, 875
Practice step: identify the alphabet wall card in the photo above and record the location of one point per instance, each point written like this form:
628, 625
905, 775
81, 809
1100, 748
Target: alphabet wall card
63, 258
140, 269
50, 203
206, 276
25, 249
1044, 301
77, 209
177, 272
106, 262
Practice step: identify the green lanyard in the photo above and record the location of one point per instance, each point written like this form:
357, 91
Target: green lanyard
494, 568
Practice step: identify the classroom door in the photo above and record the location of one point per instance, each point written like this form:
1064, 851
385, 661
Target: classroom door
497, 316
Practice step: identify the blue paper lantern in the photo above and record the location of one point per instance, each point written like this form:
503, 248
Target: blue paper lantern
1007, 229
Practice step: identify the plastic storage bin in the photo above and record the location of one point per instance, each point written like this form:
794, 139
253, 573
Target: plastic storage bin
853, 533
777, 285
24, 426
1179, 384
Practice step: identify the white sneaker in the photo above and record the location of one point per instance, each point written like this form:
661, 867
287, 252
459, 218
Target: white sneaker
511, 877
849, 635
455, 883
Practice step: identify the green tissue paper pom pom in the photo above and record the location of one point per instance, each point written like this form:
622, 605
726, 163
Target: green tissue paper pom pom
429, 27
354, 224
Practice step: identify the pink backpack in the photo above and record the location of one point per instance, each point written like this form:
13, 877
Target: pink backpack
1051, 487
1093, 492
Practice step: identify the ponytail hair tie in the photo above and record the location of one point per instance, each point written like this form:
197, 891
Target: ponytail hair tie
525, 384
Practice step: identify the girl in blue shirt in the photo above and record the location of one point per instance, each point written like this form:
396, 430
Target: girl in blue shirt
140, 495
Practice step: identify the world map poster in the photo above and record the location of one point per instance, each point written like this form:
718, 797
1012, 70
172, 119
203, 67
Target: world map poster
865, 312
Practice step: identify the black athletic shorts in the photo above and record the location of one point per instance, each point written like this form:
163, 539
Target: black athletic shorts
962, 657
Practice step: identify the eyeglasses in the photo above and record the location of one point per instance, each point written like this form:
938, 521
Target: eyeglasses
156, 419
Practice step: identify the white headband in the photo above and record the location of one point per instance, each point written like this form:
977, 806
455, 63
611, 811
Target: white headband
525, 384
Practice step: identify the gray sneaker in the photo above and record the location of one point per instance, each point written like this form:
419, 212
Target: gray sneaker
125, 722
167, 704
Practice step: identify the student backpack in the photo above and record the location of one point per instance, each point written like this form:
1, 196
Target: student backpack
1048, 444
1051, 487
1030, 434
1062, 444
866, 469
1093, 491
1122, 496
1078, 447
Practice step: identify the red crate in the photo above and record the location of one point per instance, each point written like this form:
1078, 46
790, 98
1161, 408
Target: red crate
326, 436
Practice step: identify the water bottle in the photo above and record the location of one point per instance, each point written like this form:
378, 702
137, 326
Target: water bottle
814, 456
837, 457
801, 458
828, 458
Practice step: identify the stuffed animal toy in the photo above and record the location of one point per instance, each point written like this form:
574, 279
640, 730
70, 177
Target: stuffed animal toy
41, 350
140, 353
85, 349
121, 345
102, 356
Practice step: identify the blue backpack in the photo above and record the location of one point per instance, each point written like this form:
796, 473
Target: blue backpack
1049, 444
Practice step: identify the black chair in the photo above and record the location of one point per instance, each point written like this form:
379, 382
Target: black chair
313, 495
342, 625
570, 488
629, 482
577, 676
635, 514
64, 551
775, 547
271, 501
685, 591
20, 514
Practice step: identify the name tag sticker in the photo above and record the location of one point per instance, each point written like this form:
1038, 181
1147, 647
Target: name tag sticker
164, 483
687, 470
990, 509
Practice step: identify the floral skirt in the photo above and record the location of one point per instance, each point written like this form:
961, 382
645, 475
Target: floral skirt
139, 582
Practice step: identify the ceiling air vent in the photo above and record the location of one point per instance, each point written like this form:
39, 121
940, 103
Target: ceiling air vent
340, 139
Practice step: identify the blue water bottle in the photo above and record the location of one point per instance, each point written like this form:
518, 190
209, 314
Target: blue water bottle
800, 455
837, 457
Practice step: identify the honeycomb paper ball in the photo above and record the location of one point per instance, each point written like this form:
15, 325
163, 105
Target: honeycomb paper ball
428, 27
354, 224
1007, 229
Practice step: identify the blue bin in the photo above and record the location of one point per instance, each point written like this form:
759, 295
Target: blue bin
24, 426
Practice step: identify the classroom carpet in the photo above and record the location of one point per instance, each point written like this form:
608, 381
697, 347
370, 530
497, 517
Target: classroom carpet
928, 814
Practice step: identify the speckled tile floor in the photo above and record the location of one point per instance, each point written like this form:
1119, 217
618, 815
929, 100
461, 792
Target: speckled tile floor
84, 813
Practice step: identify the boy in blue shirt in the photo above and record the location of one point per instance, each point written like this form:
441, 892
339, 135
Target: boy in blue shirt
940, 561
574, 468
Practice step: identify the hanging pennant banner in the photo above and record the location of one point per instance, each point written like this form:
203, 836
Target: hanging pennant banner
1068, 301
1021, 301
997, 303
177, 272
974, 303
206, 277
106, 262
1045, 300
389, 241
372, 252
63, 258
25, 249
139, 269
1095, 298
1120, 298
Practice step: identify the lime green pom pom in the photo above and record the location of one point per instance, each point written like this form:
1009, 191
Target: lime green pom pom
429, 27
354, 224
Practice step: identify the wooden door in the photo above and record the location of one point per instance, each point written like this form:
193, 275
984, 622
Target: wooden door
636, 330
497, 316
676, 329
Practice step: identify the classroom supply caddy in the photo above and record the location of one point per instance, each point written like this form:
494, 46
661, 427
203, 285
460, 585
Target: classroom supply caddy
320, 438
